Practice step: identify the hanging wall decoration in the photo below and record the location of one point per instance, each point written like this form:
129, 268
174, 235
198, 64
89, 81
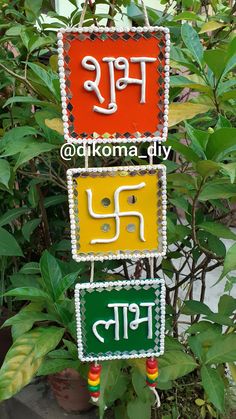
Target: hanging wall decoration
115, 88
114, 83
117, 212
120, 319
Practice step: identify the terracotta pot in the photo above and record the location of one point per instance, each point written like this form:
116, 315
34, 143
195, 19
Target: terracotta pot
70, 390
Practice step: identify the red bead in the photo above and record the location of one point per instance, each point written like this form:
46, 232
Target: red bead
151, 363
95, 369
96, 394
150, 384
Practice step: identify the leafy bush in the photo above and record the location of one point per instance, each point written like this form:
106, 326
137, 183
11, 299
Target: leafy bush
201, 209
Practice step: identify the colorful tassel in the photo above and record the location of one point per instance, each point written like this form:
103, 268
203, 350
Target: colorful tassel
151, 377
94, 381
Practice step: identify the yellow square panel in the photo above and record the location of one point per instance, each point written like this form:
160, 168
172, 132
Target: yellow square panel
117, 212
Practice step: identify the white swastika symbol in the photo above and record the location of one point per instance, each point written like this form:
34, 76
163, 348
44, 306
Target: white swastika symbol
117, 213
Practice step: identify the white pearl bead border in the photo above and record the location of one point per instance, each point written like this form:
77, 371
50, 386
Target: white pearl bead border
122, 284
62, 79
162, 204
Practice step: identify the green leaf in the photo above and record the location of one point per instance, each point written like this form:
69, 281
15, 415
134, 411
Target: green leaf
140, 387
221, 143
51, 273
211, 26
175, 364
29, 228
64, 284
28, 293
49, 339
138, 409
181, 81
216, 60
14, 375
195, 307
231, 63
24, 320
207, 167
196, 346
223, 122
8, 244
14, 31
187, 16
220, 319
109, 374
187, 152
172, 344
48, 77
12, 214
32, 9
217, 229
17, 133
52, 366
201, 326
38, 42
180, 60
213, 386
212, 190
227, 305
33, 150
198, 138
229, 169
14, 147
72, 348
33, 195
229, 262
179, 112
25, 99
54, 200
30, 268
59, 353
204, 339
192, 42
5, 172
222, 351
26, 34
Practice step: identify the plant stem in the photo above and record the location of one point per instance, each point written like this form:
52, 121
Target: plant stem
47, 236
18, 77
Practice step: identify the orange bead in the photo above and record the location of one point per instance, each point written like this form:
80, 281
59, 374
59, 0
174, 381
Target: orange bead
93, 377
152, 371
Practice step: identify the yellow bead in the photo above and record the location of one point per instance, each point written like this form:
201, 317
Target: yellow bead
152, 376
94, 383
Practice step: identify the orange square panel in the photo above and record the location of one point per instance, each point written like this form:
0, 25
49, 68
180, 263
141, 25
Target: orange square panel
114, 84
117, 212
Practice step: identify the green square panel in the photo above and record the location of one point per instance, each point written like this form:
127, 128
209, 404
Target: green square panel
120, 319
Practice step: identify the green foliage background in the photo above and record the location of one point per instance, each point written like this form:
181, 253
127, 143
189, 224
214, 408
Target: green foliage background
37, 273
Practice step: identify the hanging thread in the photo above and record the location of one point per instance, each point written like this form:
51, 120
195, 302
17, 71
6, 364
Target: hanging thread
95, 369
81, 21
146, 19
